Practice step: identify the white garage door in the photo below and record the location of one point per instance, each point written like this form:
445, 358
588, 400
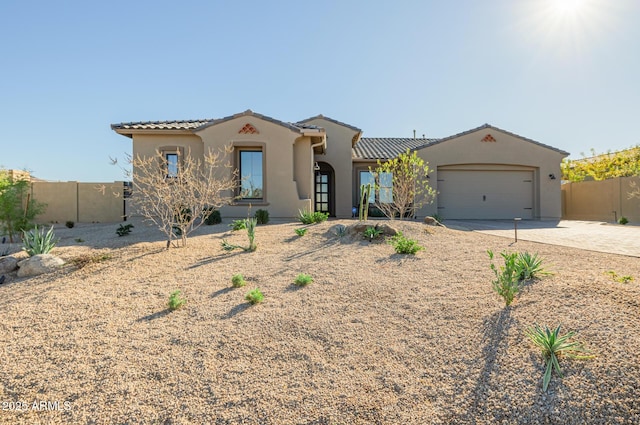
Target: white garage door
473, 194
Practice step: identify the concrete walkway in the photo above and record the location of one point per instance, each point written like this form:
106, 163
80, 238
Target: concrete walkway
589, 235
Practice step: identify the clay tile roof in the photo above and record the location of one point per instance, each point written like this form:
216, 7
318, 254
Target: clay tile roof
330, 120
386, 147
161, 125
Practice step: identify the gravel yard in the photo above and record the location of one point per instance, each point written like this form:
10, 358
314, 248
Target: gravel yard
377, 338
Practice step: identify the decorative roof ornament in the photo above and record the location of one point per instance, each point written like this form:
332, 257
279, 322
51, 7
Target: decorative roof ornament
248, 129
488, 138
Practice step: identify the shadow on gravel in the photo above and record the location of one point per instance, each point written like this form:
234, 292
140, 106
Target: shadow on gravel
154, 316
221, 292
236, 310
496, 329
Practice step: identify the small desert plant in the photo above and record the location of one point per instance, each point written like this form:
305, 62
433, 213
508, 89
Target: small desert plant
303, 280
237, 280
301, 231
529, 266
507, 283
79, 240
262, 216
437, 217
36, 241
69, 224
623, 220
404, 245
372, 233
340, 231
176, 300
238, 224
250, 224
308, 217
213, 217
254, 296
123, 230
554, 346
621, 279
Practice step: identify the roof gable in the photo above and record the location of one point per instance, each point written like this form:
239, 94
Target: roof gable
491, 127
322, 117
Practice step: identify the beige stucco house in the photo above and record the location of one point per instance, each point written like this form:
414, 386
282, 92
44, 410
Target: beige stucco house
320, 163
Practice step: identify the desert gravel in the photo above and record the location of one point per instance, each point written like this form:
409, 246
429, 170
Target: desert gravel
377, 338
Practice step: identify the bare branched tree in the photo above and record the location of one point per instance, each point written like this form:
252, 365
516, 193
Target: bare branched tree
402, 185
178, 199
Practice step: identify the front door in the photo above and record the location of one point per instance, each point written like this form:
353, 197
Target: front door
324, 189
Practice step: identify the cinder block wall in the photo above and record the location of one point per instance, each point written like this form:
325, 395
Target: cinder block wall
605, 200
80, 202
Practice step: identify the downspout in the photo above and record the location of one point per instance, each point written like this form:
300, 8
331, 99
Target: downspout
313, 146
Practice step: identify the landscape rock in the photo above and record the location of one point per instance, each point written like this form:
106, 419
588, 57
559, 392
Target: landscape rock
8, 264
39, 264
432, 222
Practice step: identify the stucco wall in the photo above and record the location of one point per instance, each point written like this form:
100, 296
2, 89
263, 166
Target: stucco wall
605, 200
338, 155
506, 150
287, 164
79, 202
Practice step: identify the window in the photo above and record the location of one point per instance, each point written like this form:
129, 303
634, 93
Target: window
384, 194
251, 178
171, 162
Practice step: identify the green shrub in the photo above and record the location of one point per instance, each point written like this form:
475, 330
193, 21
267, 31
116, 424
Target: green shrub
437, 217
308, 217
507, 283
623, 220
176, 300
372, 233
213, 217
36, 241
303, 280
553, 346
238, 224
404, 245
301, 231
254, 296
262, 216
69, 224
124, 230
237, 280
529, 266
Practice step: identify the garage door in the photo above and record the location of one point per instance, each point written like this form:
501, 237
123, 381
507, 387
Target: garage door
490, 194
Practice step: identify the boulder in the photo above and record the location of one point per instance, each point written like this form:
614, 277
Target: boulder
8, 264
39, 264
432, 222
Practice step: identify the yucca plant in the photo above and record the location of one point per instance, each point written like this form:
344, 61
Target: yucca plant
553, 347
249, 224
372, 233
507, 283
36, 241
529, 266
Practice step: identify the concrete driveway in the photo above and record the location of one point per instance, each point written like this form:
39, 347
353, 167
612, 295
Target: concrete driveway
589, 235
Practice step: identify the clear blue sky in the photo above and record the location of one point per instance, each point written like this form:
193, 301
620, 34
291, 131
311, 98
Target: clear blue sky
562, 72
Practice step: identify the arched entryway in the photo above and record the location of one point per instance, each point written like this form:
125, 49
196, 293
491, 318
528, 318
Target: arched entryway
324, 192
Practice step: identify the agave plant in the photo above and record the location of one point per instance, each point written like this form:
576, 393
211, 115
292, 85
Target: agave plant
554, 346
507, 283
530, 266
36, 241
